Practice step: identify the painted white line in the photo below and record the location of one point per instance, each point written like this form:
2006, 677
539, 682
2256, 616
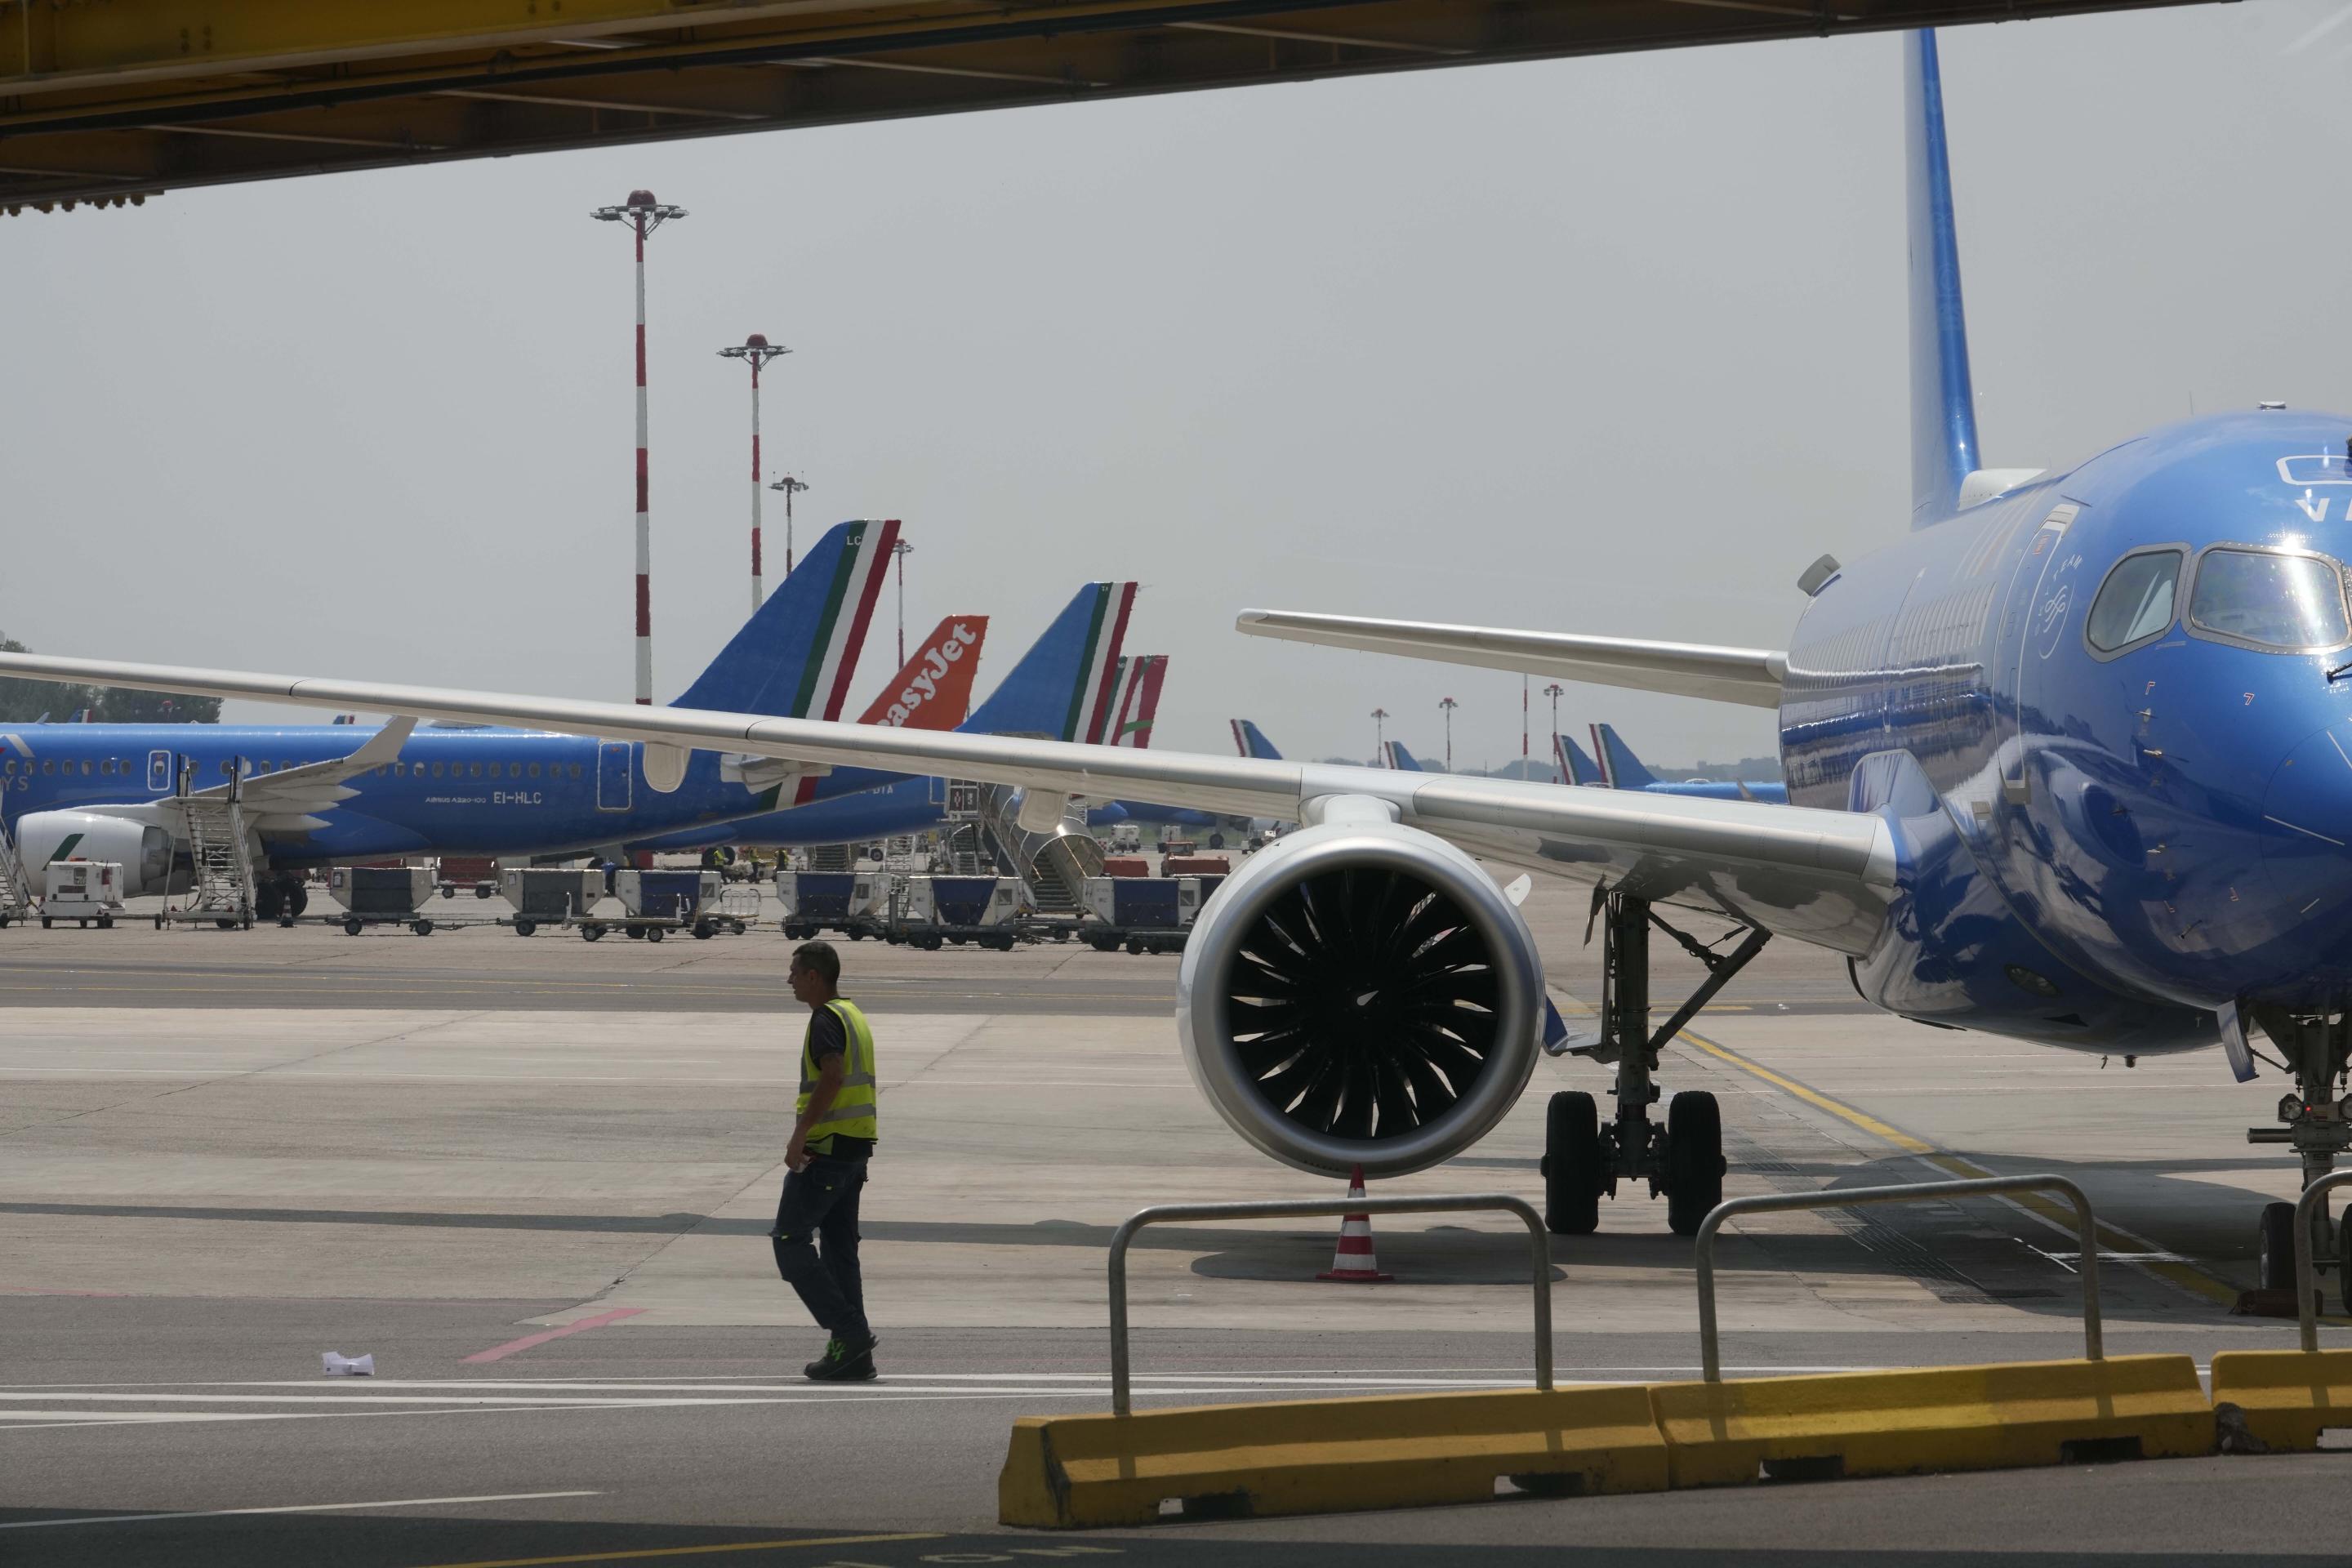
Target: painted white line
291, 1508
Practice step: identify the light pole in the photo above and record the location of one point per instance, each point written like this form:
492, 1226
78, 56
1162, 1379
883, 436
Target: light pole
643, 214
1380, 737
1553, 692
1449, 705
902, 550
790, 487
759, 351
1523, 681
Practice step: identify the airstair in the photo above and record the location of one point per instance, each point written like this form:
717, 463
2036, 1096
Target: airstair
15, 893
220, 863
965, 851
832, 857
1055, 864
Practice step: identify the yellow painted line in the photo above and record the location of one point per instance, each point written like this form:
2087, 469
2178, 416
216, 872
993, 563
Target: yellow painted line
692, 1551
2187, 1277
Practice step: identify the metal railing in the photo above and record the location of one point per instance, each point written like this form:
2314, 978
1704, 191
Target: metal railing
2307, 1277
1539, 1256
1709, 1353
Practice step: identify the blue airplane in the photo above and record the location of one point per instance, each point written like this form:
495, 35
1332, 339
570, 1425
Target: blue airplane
1397, 757
1064, 688
321, 792
1576, 764
2069, 758
1620, 769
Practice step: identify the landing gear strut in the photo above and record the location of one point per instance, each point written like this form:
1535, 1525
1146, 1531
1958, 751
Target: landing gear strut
1684, 1159
2317, 1121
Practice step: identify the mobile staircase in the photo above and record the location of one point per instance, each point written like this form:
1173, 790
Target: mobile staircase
220, 864
1055, 865
15, 893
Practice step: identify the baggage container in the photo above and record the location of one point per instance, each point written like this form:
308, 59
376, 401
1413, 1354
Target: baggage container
1142, 914
550, 895
461, 872
380, 892
855, 903
1126, 866
665, 895
82, 891
1195, 866
936, 909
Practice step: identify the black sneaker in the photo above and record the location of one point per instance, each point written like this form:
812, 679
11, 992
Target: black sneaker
844, 1362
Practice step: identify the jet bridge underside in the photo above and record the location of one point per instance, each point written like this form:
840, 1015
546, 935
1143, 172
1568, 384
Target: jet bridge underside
110, 103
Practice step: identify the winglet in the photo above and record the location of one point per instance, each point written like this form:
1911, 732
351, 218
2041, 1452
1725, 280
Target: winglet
1943, 405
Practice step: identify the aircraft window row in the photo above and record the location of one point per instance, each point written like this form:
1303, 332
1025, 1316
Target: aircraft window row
50, 767
2260, 598
476, 770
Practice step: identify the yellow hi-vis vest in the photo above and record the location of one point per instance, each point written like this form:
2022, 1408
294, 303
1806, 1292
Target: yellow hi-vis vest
853, 1109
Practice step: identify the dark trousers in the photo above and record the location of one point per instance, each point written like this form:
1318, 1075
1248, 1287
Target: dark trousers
819, 1202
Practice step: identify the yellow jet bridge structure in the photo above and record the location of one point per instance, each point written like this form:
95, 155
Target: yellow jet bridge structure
109, 101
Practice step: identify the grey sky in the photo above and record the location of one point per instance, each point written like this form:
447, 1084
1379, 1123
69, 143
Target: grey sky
1609, 345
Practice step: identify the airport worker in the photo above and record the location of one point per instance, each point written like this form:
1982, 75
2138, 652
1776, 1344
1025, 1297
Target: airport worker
833, 1134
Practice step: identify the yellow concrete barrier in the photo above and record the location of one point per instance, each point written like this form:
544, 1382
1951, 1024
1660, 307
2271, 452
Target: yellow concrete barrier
2289, 1397
1328, 1455
1935, 1418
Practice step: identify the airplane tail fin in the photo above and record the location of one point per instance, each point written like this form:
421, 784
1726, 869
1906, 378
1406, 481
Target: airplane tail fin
1251, 741
1943, 406
1061, 690
1619, 765
794, 657
1576, 764
1136, 707
1402, 760
934, 691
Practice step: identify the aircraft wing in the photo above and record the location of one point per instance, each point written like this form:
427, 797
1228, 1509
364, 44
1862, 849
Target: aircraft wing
1747, 675
1823, 876
290, 799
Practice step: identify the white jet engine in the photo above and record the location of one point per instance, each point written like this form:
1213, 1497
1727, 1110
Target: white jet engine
134, 835
1361, 993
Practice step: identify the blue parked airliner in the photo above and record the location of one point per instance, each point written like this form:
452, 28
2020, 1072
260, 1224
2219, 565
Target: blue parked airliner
2069, 758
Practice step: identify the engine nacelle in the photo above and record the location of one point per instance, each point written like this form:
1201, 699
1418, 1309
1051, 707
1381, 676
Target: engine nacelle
1361, 993
135, 837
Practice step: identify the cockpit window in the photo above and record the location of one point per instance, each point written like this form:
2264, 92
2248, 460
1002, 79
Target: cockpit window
2268, 600
2135, 602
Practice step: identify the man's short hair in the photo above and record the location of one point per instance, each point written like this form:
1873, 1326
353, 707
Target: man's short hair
819, 959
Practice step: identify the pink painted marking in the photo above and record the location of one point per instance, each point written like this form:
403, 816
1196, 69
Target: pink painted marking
500, 1353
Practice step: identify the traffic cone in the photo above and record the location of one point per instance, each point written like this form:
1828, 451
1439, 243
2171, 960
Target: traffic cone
1355, 1262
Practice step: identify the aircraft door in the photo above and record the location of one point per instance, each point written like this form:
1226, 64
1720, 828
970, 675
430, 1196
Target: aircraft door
613, 776
2040, 606
159, 772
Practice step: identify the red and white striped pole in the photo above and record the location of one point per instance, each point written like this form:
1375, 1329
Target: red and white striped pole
644, 214
759, 351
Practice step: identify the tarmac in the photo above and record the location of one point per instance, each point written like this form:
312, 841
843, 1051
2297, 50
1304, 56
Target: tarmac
533, 1178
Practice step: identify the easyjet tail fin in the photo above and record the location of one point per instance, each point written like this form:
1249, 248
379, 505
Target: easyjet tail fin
934, 691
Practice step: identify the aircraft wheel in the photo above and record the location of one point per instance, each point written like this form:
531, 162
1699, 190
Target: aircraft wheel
298, 899
653, 933
2274, 1259
1574, 1166
353, 926
1695, 1164
422, 928
524, 928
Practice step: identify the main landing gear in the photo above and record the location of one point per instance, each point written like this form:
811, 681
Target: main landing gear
280, 896
2317, 1121
1583, 1157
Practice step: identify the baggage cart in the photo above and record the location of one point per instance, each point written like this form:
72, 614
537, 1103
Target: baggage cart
382, 896
659, 903
855, 903
547, 895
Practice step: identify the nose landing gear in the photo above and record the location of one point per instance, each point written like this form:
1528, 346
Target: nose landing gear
1684, 1159
2316, 1121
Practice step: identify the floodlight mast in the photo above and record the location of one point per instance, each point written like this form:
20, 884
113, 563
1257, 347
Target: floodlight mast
644, 214
1559, 762
902, 550
759, 351
790, 487
1448, 705
1381, 737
